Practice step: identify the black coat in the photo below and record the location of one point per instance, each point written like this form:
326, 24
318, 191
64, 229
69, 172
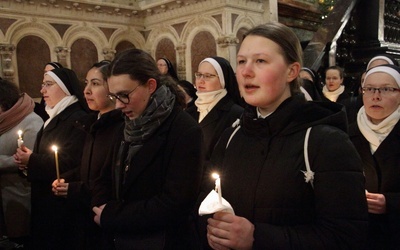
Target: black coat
262, 178
103, 137
158, 190
382, 175
351, 104
216, 121
52, 220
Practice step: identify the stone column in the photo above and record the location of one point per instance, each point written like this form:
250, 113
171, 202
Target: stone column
109, 54
6, 53
181, 62
228, 45
62, 53
271, 11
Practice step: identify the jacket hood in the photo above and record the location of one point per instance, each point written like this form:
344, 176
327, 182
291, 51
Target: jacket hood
293, 115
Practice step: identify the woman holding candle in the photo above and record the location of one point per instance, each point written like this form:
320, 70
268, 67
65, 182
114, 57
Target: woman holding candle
16, 115
156, 176
376, 135
218, 99
278, 204
52, 220
104, 132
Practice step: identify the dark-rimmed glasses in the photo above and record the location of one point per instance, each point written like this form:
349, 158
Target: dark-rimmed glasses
383, 90
124, 98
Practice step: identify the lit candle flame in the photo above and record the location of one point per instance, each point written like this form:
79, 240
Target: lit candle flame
218, 186
19, 134
54, 148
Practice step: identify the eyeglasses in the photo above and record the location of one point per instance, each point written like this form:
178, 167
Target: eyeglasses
369, 91
124, 98
205, 76
47, 84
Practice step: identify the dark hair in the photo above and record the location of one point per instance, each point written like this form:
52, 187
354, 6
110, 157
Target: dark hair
171, 69
103, 68
288, 42
341, 71
140, 66
9, 94
189, 88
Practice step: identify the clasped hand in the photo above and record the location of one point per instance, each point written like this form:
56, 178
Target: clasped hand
228, 231
60, 188
376, 203
21, 157
98, 210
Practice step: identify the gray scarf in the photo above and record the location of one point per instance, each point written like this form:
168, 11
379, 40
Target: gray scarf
139, 130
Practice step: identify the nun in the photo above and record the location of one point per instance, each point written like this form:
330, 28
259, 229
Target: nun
376, 136
51, 219
218, 104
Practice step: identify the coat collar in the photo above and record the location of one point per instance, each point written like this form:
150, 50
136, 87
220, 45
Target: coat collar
224, 105
64, 115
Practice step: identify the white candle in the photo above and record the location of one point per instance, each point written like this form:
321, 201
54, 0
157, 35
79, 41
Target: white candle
20, 141
218, 186
55, 149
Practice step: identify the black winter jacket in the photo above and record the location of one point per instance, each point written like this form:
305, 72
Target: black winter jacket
262, 177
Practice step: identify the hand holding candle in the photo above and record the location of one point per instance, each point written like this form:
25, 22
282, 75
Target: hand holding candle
214, 202
20, 141
55, 149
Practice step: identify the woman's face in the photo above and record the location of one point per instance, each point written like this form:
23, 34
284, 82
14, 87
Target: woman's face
209, 81
96, 91
139, 95
162, 66
332, 79
262, 73
51, 92
378, 106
